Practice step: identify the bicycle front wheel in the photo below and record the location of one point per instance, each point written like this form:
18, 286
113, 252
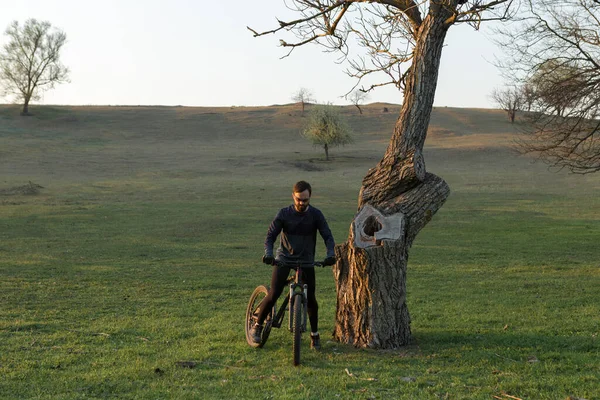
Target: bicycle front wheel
252, 313
297, 328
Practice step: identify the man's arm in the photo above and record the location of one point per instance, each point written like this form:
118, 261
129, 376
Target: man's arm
326, 235
272, 233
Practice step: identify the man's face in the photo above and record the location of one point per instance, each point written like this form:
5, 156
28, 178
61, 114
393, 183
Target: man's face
301, 200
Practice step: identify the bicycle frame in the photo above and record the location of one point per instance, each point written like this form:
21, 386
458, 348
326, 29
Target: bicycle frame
296, 288
298, 291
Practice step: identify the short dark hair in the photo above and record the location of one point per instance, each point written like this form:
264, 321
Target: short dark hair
301, 186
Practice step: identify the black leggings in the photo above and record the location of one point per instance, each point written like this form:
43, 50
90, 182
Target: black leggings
278, 281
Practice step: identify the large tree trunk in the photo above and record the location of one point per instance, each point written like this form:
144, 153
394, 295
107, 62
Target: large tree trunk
397, 199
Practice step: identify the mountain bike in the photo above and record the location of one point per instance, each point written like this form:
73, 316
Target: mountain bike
297, 301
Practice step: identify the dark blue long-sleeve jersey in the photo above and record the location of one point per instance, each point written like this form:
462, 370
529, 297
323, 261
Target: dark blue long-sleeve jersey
298, 235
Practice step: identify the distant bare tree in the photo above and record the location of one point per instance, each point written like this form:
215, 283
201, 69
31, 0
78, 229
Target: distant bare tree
357, 97
29, 62
508, 99
527, 96
303, 96
555, 49
556, 85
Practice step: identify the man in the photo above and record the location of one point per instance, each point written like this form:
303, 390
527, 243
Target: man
298, 225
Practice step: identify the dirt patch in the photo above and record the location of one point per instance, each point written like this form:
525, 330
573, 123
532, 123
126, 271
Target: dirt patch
30, 189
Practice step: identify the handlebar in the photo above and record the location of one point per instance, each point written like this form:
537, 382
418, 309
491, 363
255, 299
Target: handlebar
295, 265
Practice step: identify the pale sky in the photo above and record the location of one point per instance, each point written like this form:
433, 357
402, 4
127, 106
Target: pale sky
199, 53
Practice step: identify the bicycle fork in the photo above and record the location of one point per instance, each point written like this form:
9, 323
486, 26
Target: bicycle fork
293, 295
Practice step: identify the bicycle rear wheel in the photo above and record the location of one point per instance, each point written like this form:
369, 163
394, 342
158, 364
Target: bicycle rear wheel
297, 328
252, 313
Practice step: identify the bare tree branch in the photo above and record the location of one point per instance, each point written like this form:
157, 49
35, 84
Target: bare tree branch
555, 50
385, 31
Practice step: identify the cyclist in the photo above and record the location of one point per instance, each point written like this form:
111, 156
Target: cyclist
298, 225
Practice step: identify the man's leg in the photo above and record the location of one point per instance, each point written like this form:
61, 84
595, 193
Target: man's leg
278, 280
313, 307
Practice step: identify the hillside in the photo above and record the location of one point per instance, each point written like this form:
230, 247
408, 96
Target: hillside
66, 144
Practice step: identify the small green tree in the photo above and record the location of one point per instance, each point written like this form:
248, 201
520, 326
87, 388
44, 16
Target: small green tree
30, 61
326, 127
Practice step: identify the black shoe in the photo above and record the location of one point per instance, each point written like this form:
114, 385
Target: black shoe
256, 333
315, 342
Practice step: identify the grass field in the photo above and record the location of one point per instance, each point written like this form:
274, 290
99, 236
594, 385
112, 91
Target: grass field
143, 243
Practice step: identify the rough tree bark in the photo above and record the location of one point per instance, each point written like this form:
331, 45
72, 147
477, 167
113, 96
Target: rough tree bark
371, 272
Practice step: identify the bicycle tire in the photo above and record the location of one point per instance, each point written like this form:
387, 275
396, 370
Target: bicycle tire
297, 328
255, 299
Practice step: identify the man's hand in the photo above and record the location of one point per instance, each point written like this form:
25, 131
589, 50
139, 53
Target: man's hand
329, 261
269, 260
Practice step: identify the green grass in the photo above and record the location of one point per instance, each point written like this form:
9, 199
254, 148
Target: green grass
121, 268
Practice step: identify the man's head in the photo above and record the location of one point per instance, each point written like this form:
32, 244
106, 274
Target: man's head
301, 194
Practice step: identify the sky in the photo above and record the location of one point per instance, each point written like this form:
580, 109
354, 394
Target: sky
200, 53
